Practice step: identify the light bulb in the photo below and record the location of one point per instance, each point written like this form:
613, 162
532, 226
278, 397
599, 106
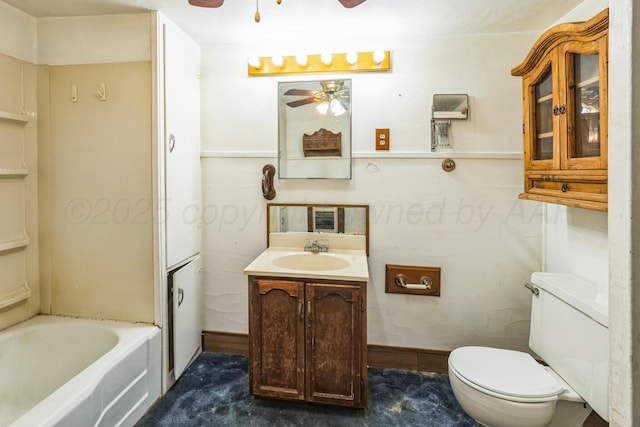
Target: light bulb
301, 60
352, 58
323, 107
277, 60
337, 107
378, 56
254, 62
326, 58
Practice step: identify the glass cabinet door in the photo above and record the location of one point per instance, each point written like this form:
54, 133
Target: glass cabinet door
586, 98
543, 139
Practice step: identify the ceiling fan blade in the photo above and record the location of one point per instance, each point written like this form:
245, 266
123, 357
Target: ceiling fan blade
206, 3
301, 102
351, 3
301, 92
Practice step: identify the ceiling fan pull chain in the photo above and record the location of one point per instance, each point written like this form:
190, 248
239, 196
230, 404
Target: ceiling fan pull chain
256, 17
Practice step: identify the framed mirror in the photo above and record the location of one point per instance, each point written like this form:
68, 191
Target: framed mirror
324, 218
314, 129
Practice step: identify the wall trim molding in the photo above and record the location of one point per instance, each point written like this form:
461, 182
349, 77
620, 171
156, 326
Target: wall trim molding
379, 356
488, 155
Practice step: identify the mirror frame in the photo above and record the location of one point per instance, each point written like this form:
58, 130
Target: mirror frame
321, 205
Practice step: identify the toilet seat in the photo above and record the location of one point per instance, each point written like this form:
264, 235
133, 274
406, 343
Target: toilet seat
506, 374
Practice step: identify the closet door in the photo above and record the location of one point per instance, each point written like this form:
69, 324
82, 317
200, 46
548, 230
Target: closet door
182, 145
187, 312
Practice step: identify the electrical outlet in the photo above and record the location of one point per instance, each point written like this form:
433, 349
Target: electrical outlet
382, 139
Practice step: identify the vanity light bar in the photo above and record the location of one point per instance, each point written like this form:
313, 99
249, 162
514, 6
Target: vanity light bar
378, 60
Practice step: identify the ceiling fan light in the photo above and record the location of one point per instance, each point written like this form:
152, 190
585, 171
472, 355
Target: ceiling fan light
337, 107
277, 60
378, 56
301, 60
254, 62
323, 108
326, 58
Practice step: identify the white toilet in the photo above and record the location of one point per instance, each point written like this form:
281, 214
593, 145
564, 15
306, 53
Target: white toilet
569, 331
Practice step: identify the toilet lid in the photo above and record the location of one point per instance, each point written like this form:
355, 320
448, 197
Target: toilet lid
507, 372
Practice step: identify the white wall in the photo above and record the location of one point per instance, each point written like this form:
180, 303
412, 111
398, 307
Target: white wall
468, 222
94, 39
96, 210
576, 240
17, 34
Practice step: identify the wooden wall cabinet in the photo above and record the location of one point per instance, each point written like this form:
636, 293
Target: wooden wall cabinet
564, 84
308, 340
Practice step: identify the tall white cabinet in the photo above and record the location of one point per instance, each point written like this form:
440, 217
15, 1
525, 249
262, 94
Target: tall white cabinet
179, 192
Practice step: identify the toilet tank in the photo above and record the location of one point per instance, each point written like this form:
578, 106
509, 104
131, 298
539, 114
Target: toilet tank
570, 331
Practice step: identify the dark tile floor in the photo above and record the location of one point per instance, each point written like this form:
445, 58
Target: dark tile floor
214, 391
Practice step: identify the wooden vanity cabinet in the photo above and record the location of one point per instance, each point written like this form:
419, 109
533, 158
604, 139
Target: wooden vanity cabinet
564, 84
308, 340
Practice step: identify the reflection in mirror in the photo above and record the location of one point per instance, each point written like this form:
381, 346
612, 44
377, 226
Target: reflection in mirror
447, 106
314, 127
347, 219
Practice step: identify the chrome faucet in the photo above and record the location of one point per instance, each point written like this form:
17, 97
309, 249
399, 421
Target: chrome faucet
316, 246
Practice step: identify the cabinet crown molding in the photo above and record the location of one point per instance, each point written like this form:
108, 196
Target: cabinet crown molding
583, 31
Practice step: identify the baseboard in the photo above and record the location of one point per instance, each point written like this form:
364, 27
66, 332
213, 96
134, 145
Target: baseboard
413, 359
225, 342
379, 356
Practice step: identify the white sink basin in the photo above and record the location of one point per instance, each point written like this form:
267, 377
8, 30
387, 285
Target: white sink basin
311, 262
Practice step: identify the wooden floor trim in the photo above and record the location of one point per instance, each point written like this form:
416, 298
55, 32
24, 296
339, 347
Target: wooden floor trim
379, 356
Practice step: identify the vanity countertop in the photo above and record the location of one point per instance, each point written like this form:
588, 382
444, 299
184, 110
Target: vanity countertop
351, 264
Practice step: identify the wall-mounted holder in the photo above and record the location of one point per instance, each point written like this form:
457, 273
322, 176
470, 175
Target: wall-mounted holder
444, 109
412, 280
268, 174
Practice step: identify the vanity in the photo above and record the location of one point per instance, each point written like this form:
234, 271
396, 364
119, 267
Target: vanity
307, 314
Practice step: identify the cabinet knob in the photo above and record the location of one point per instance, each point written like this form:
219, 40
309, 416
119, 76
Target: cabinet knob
564, 187
557, 110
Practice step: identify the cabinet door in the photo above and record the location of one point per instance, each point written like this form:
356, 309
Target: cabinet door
585, 79
541, 127
334, 344
276, 328
182, 145
187, 314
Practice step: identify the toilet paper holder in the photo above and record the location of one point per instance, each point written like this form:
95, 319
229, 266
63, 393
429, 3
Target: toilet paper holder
425, 282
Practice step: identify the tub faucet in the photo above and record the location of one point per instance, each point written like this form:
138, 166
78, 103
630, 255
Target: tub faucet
316, 246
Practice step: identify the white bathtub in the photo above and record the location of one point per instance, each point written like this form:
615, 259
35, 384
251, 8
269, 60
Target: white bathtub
57, 371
